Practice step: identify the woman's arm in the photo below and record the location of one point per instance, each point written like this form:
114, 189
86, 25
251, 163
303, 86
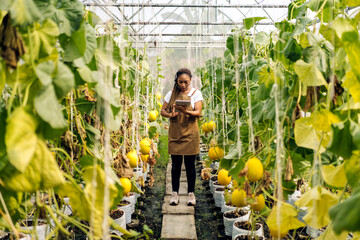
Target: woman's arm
194, 113
164, 113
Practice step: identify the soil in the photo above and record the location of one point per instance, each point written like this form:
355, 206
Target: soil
123, 203
30, 223
116, 213
208, 218
214, 179
234, 214
214, 171
149, 205
219, 189
247, 226
249, 238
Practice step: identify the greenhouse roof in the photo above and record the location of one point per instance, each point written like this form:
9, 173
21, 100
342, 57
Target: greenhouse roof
176, 23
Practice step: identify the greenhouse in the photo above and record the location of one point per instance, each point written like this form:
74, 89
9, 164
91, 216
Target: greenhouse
175, 119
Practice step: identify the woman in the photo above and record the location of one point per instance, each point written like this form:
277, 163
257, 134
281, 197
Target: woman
184, 136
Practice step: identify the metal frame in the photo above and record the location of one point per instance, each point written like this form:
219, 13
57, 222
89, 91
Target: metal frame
154, 5
189, 23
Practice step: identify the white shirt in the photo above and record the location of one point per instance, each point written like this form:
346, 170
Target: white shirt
194, 98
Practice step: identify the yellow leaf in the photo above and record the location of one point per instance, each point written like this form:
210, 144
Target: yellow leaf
352, 83
329, 234
318, 201
356, 236
334, 176
282, 218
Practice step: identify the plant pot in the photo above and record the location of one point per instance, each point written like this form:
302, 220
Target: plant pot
219, 196
126, 207
215, 165
312, 232
230, 217
119, 217
242, 236
258, 231
132, 199
216, 185
211, 182
42, 229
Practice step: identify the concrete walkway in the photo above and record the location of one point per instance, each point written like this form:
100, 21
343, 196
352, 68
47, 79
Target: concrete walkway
178, 221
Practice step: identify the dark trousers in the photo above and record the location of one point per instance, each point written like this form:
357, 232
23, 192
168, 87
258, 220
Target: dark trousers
176, 171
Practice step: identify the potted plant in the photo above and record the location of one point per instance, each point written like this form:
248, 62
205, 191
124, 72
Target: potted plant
230, 217
118, 215
126, 207
247, 228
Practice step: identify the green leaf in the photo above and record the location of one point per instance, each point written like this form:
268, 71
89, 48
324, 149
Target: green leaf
20, 138
352, 83
352, 48
75, 45
109, 93
41, 173
334, 176
250, 22
301, 25
230, 44
84, 106
342, 141
92, 18
346, 215
340, 26
295, 8
351, 3
352, 168
24, 12
318, 200
48, 107
63, 80
42, 40
3, 117
66, 14
262, 38
309, 74
44, 71
91, 43
292, 50
301, 165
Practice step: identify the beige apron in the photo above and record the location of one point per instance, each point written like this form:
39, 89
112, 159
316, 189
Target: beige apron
184, 138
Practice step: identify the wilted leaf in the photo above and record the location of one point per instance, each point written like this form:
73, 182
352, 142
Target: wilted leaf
41, 173
283, 218
334, 176
41, 41
329, 234
318, 200
20, 138
346, 215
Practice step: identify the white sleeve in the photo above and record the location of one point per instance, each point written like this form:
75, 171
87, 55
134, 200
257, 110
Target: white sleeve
167, 97
198, 96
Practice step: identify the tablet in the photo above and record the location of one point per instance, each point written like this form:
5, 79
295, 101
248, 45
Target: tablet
182, 102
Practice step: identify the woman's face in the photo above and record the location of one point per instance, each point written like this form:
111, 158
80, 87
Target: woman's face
183, 81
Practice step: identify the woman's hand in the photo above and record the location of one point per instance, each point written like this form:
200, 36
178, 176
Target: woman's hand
173, 113
180, 108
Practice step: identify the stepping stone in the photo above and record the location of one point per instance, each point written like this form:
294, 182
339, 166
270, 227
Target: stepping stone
178, 227
181, 208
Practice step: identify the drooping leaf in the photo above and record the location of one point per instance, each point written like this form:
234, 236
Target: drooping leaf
48, 107
309, 74
63, 80
230, 44
318, 200
95, 194
75, 45
352, 83
292, 50
41, 173
346, 215
24, 12
286, 220
66, 14
20, 138
41, 41
250, 22
334, 176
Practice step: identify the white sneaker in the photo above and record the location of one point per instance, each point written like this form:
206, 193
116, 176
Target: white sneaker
174, 200
191, 199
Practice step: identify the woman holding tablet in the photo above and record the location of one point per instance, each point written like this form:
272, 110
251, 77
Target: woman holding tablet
183, 106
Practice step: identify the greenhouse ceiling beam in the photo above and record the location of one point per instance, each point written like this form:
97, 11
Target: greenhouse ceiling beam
189, 23
185, 47
185, 5
181, 34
